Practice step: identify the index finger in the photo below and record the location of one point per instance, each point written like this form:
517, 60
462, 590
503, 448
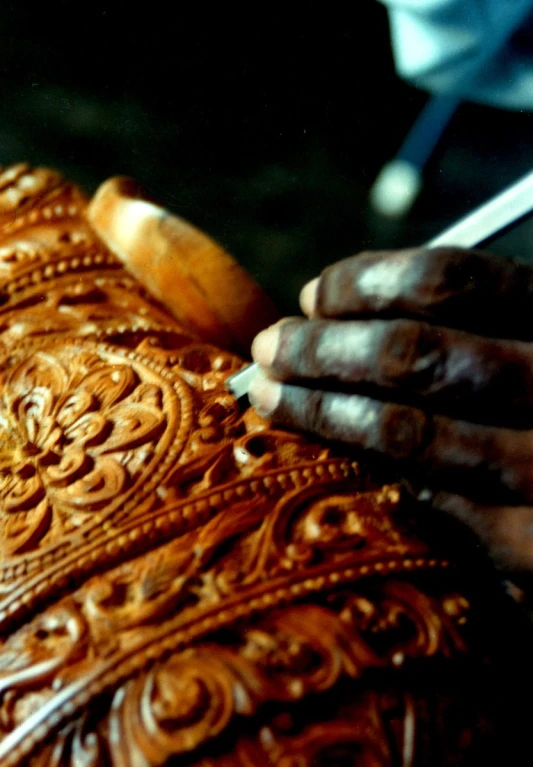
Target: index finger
467, 289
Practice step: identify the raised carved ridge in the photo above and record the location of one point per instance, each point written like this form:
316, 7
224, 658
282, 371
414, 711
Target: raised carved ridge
172, 567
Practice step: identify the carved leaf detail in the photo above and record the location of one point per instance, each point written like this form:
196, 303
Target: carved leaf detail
133, 425
77, 745
37, 656
73, 465
89, 430
103, 484
23, 490
73, 406
187, 701
22, 531
76, 431
110, 384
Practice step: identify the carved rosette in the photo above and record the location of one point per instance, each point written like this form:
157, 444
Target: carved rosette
178, 579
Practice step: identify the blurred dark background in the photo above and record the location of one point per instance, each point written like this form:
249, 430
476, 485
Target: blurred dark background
265, 131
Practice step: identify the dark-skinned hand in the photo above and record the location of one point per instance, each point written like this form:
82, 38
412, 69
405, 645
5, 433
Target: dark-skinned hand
425, 356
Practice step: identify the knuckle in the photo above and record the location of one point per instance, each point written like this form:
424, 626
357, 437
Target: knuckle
335, 290
315, 413
507, 458
404, 431
464, 270
508, 377
313, 350
293, 355
412, 352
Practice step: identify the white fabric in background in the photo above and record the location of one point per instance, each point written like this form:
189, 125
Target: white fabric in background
481, 50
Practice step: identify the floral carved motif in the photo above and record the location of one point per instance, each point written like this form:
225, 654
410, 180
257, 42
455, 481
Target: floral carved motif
181, 583
79, 430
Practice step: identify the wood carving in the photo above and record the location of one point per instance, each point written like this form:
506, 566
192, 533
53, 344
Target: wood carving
180, 583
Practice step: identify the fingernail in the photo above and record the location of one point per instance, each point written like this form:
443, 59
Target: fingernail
265, 346
308, 297
264, 394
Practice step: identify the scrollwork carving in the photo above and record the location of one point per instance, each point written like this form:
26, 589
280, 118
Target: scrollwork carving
180, 582
78, 431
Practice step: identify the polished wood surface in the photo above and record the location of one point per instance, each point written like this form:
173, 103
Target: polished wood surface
180, 580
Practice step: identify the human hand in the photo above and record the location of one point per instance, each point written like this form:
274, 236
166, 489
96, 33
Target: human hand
425, 356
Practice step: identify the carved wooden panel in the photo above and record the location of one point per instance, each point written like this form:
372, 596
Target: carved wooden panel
180, 581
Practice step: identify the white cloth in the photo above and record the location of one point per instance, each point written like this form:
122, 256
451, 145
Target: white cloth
481, 50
